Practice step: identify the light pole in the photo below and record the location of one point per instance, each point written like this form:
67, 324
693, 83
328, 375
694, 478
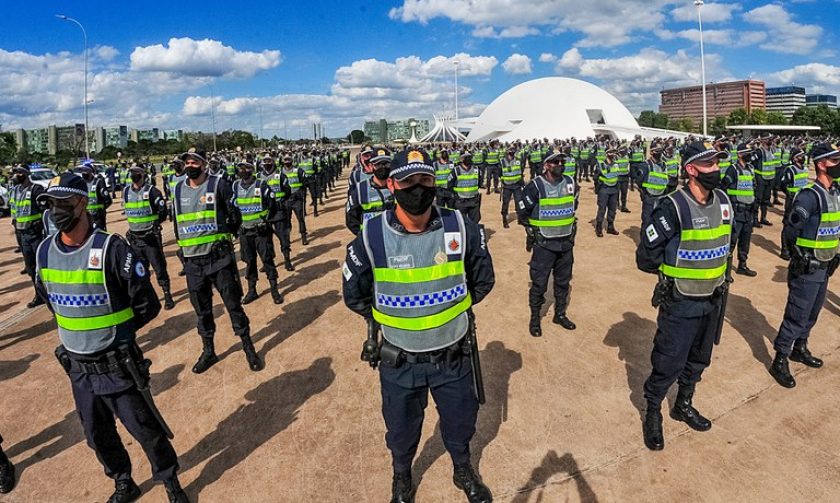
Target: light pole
699, 3
87, 128
456, 90
213, 115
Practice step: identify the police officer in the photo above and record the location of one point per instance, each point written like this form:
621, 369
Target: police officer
637, 159
310, 180
415, 251
535, 159
766, 164
101, 295
145, 209
176, 177
254, 200
464, 184
26, 219
512, 184
292, 202
362, 169
493, 159
443, 170
547, 211
812, 233
99, 200
623, 164
687, 244
606, 187
739, 183
205, 222
794, 179
652, 179
371, 196
672, 166
7, 472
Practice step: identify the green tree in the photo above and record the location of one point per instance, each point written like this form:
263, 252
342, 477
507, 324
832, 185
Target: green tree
776, 118
8, 147
356, 136
718, 126
738, 117
822, 116
758, 117
646, 118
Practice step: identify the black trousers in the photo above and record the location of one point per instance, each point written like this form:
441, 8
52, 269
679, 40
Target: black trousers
297, 206
806, 295
28, 240
405, 395
201, 278
623, 185
648, 204
788, 206
98, 219
508, 192
584, 170
607, 203
253, 242
149, 249
98, 406
682, 349
482, 172
543, 263
742, 229
470, 208
763, 188
535, 168
494, 172
314, 192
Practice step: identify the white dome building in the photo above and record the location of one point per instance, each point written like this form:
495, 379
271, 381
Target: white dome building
555, 107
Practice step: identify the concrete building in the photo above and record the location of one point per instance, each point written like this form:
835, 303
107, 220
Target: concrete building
385, 131
721, 99
51, 139
116, 136
152, 135
786, 100
814, 100
173, 134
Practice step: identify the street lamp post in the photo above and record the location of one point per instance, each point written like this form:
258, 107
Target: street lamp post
213, 115
699, 3
456, 90
84, 33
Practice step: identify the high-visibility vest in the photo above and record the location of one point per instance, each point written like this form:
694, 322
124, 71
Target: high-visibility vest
455, 157
535, 156
294, 181
769, 164
823, 238
698, 264
800, 178
138, 208
478, 156
637, 156
623, 164
86, 313
250, 203
601, 154
609, 174
466, 186
94, 204
554, 214
743, 191
672, 166
492, 157
442, 171
512, 172
308, 166
373, 200
570, 167
656, 181
23, 213
420, 285
197, 218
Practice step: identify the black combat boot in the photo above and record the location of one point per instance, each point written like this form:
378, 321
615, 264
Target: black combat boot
599, 230
255, 363
625, 210
685, 412
35, 302
168, 301
744, 270
208, 356
174, 491
126, 491
652, 429
785, 255
7, 474
468, 481
252, 295
505, 223
611, 229
800, 354
276, 296
287, 261
780, 371
563, 321
401, 488
534, 325
304, 239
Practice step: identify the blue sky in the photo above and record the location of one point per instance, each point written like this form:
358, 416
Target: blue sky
339, 63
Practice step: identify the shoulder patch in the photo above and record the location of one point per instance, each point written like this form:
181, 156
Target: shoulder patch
140, 269
651, 233
95, 258
347, 272
664, 222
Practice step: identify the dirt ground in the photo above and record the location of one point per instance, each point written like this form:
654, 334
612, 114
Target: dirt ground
562, 419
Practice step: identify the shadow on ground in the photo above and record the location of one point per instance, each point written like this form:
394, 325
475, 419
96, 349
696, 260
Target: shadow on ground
552, 465
633, 336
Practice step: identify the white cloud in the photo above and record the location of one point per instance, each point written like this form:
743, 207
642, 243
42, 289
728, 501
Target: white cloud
727, 37
604, 23
202, 58
784, 34
816, 77
517, 64
712, 12
547, 57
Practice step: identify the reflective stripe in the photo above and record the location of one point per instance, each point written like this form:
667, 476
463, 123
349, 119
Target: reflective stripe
82, 277
424, 322
706, 234
198, 215
682, 273
202, 240
418, 275
94, 322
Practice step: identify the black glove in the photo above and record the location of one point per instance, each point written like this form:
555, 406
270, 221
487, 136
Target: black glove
832, 265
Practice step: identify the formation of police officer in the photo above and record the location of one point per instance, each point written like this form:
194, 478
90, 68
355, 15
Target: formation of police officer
767, 162
27, 221
622, 162
255, 201
652, 180
794, 178
99, 199
416, 271
145, 210
739, 183
464, 185
606, 187
371, 195
812, 235
547, 210
294, 204
512, 183
100, 294
687, 243
205, 221
443, 170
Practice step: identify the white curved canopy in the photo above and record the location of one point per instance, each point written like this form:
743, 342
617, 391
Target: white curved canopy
554, 107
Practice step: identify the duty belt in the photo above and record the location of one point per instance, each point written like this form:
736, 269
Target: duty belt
439, 355
106, 364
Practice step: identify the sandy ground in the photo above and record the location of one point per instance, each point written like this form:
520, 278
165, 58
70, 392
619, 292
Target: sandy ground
562, 419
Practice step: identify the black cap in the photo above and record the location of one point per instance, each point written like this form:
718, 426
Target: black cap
245, 165
824, 151
138, 169
381, 154
21, 169
701, 150
797, 152
65, 186
411, 162
555, 155
194, 153
744, 148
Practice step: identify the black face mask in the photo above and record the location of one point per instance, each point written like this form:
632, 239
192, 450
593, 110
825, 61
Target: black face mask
65, 219
416, 199
137, 178
382, 172
19, 179
709, 181
88, 177
193, 173
834, 171
246, 175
